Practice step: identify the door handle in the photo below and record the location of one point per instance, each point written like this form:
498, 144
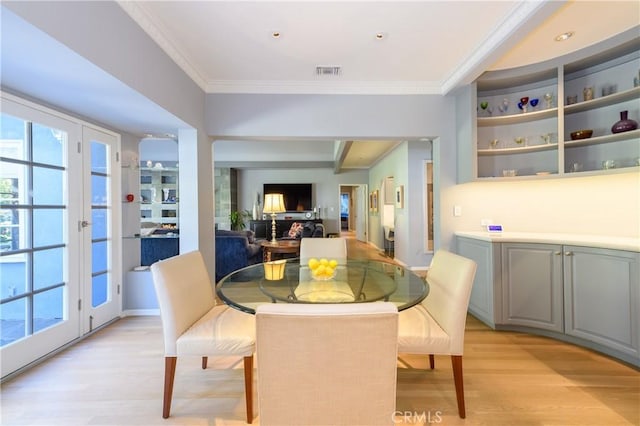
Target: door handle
83, 224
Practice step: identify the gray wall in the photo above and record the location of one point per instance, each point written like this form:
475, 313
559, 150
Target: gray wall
326, 187
326, 116
358, 116
406, 165
105, 35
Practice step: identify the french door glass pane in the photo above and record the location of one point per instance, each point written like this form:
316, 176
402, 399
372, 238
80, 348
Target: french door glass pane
99, 254
13, 137
99, 287
12, 229
99, 222
13, 183
47, 186
47, 308
99, 154
99, 190
48, 145
47, 268
48, 227
13, 316
14, 270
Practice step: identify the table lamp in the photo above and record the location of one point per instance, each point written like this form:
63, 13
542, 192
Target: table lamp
273, 203
274, 271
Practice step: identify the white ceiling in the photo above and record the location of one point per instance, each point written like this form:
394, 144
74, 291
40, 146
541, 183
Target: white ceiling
428, 47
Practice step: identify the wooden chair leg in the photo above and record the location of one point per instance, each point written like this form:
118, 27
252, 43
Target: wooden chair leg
456, 363
432, 361
169, 374
248, 386
204, 362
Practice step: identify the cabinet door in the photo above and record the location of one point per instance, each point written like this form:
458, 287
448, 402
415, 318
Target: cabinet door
532, 285
602, 297
486, 284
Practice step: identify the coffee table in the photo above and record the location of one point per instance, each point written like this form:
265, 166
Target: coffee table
282, 247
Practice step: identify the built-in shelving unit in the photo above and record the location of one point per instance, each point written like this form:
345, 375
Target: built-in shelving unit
159, 195
544, 130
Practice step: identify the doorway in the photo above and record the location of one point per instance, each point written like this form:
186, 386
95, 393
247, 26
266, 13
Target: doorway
353, 211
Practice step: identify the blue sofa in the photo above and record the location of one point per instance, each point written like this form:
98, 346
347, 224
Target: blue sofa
235, 250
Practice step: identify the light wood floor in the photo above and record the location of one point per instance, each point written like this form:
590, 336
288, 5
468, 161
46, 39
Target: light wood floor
115, 378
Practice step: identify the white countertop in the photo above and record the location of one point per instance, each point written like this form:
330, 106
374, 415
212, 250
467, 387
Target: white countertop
600, 241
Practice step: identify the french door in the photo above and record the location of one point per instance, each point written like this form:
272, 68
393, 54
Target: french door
57, 278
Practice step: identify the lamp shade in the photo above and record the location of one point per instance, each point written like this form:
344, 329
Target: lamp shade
274, 271
273, 203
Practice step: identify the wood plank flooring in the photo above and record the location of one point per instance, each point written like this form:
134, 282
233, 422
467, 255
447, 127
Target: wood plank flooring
115, 378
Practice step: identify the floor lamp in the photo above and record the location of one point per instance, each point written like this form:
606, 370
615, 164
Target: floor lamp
273, 203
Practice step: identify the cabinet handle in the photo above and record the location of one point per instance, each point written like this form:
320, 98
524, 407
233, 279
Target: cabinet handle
568, 253
558, 253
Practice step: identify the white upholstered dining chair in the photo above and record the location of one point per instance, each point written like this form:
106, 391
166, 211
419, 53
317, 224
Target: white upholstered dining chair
327, 364
436, 326
330, 248
193, 325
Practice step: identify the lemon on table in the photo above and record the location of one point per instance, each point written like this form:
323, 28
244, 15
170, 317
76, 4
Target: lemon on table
320, 270
333, 263
324, 262
313, 263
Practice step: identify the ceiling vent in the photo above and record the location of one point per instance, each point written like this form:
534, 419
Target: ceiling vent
328, 71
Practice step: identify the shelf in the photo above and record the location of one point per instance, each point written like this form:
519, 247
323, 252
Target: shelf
524, 117
633, 134
604, 101
159, 169
523, 150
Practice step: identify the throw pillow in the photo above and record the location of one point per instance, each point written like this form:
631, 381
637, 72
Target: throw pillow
296, 230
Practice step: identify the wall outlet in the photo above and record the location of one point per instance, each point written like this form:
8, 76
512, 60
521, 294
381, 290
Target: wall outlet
457, 211
485, 222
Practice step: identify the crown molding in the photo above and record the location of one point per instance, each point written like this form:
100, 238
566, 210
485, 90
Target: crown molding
325, 87
503, 36
142, 18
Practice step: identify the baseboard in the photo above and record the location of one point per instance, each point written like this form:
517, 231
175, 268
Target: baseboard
140, 312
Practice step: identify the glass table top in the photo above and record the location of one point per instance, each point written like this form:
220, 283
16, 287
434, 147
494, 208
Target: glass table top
286, 281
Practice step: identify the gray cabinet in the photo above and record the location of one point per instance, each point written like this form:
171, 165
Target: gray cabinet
602, 300
532, 285
484, 302
584, 295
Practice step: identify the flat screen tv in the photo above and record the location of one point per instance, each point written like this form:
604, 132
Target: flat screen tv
297, 196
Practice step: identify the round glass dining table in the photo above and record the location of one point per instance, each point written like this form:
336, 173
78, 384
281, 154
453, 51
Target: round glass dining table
286, 281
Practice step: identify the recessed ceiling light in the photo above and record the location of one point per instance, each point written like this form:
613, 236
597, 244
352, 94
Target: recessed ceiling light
564, 36
276, 34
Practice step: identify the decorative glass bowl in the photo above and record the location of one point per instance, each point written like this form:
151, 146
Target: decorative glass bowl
323, 269
581, 134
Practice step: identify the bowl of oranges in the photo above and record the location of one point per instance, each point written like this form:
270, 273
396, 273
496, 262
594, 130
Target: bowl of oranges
322, 269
